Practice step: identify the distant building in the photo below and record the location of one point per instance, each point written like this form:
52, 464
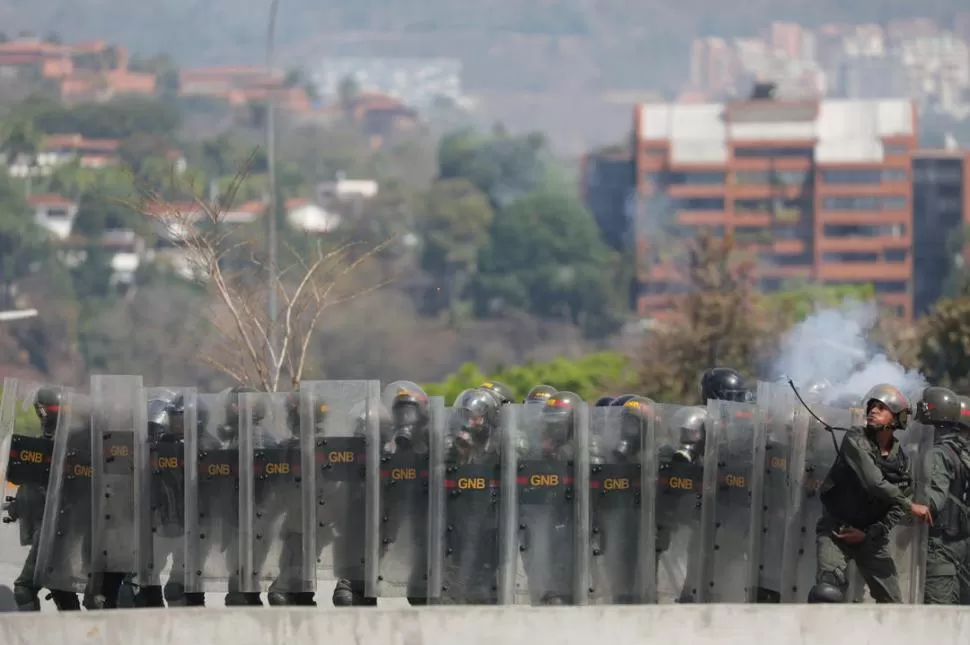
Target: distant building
415, 81
821, 188
608, 190
941, 206
54, 213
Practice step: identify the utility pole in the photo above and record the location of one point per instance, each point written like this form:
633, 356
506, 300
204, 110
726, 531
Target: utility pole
271, 168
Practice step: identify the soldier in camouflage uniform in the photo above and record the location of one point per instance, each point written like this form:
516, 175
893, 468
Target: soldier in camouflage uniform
948, 552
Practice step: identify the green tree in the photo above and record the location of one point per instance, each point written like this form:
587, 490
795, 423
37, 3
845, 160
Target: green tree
545, 256
454, 225
19, 140
117, 119
590, 376
943, 342
22, 242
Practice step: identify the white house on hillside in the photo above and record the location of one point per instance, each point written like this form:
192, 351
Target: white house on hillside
54, 213
304, 215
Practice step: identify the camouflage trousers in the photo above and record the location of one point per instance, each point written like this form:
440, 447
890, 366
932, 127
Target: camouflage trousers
947, 572
873, 559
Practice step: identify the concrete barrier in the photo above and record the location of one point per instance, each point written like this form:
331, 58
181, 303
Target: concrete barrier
669, 625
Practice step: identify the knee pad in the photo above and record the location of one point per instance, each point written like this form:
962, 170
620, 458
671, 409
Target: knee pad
26, 598
149, 597
93, 602
194, 599
416, 601
240, 599
824, 592
65, 600
343, 594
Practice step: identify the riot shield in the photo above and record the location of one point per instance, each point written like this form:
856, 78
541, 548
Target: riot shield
271, 492
64, 553
405, 494
120, 474
783, 420
909, 541
622, 501
551, 471
679, 442
814, 449
171, 413
466, 498
212, 497
343, 541
25, 467
730, 515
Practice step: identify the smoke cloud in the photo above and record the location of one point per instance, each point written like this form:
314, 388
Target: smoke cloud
832, 345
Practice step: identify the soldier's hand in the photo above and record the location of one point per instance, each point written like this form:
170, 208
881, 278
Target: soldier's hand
850, 535
922, 513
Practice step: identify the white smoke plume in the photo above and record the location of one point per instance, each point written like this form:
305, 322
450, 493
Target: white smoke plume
832, 345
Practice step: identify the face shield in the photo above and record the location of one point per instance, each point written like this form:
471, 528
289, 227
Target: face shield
406, 418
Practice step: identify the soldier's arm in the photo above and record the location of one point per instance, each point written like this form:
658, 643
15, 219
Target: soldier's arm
870, 476
941, 474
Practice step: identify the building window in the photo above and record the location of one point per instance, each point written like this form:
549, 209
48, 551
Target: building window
891, 287
790, 260
780, 177
56, 213
863, 176
896, 255
868, 203
752, 205
696, 178
752, 234
850, 257
938, 173
697, 204
894, 149
864, 230
775, 153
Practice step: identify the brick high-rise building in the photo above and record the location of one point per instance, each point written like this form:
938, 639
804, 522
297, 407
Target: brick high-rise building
823, 188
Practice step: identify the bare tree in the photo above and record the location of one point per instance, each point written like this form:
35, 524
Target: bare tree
225, 258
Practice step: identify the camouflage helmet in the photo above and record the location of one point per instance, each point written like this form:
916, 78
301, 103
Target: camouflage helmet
938, 406
893, 398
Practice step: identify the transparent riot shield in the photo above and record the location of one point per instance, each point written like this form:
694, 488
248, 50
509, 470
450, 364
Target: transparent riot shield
622, 500
466, 497
679, 446
551, 470
782, 421
64, 553
909, 540
814, 449
730, 514
405, 493
170, 411
343, 541
27, 447
271, 492
212, 497
120, 474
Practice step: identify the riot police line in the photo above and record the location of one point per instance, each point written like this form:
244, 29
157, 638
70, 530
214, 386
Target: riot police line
147, 496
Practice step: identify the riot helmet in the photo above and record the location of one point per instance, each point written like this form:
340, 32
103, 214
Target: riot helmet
502, 392
723, 384
159, 419
634, 416
47, 407
180, 407
474, 415
558, 420
964, 412
893, 399
938, 407
234, 401
690, 424
409, 414
816, 391
603, 402
622, 400
540, 394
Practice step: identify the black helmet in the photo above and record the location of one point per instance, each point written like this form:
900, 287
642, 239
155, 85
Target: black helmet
558, 420
158, 417
635, 415
410, 414
47, 407
622, 400
474, 415
234, 399
691, 425
723, 384
540, 393
180, 406
938, 406
502, 392
603, 402
892, 398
